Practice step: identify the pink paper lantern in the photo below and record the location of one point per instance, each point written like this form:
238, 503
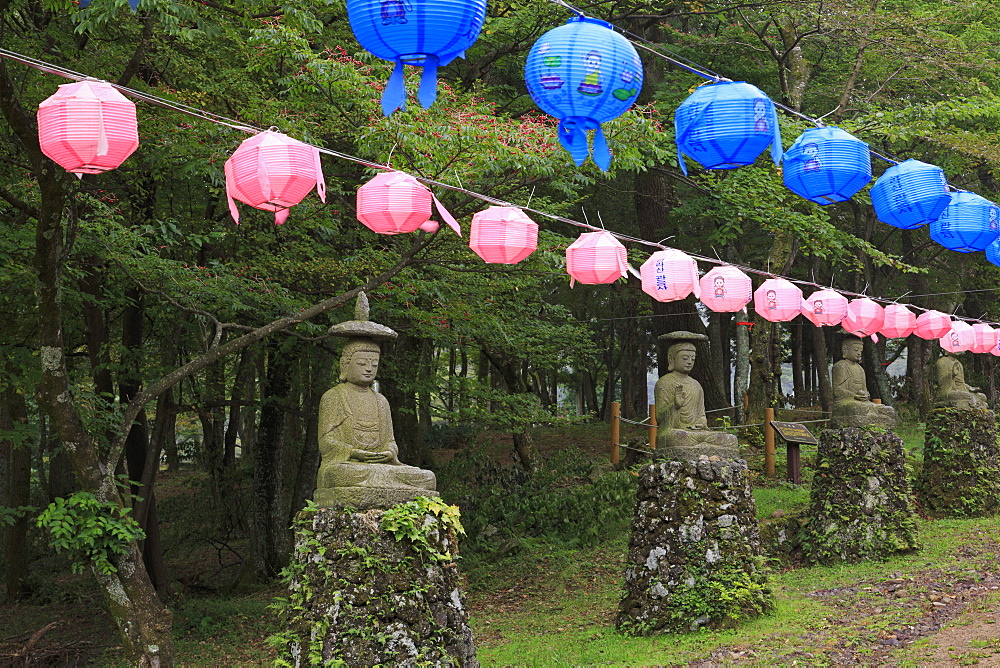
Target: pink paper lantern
726, 289
396, 203
271, 171
777, 300
932, 325
669, 275
864, 318
959, 339
899, 322
825, 308
503, 235
596, 257
984, 338
87, 127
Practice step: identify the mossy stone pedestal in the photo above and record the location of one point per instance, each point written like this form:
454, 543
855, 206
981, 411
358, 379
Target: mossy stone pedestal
359, 595
961, 472
861, 502
694, 558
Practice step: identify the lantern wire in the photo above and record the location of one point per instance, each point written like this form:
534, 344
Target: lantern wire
196, 112
702, 71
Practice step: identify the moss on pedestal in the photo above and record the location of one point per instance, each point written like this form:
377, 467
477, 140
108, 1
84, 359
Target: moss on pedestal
960, 476
861, 503
378, 587
694, 555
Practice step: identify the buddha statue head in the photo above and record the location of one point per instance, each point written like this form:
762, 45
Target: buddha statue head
681, 356
851, 349
359, 361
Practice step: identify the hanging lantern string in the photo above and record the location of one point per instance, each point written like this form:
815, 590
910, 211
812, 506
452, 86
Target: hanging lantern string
705, 73
243, 127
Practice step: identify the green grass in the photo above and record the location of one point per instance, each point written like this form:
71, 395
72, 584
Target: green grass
566, 624
783, 496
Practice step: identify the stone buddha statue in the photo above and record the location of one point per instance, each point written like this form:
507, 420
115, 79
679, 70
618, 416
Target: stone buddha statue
360, 466
951, 388
852, 405
682, 431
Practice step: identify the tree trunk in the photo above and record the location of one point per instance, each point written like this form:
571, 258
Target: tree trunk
742, 377
267, 465
320, 376
15, 468
142, 619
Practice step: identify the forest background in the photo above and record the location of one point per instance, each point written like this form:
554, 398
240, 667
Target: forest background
138, 320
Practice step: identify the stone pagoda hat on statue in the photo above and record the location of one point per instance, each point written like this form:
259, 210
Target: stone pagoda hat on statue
361, 327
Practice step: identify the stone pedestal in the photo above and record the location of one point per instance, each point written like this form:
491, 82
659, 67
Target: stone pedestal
861, 503
694, 558
360, 596
961, 472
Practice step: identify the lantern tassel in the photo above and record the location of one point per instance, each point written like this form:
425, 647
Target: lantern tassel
573, 137
601, 153
233, 211
281, 215
776, 150
428, 82
320, 179
394, 95
447, 217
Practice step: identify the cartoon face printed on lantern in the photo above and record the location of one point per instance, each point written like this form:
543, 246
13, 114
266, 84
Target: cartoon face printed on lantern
394, 11
720, 286
954, 340
591, 84
818, 307
772, 300
993, 218
760, 116
812, 157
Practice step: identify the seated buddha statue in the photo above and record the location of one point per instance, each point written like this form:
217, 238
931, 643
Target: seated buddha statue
951, 388
682, 428
360, 465
852, 405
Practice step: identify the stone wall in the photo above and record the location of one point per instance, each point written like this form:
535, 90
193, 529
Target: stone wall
359, 595
960, 476
861, 502
694, 558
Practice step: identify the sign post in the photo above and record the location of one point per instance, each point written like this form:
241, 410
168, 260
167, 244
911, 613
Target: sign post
793, 433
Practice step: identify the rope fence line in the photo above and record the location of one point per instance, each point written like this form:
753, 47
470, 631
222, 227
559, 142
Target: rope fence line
792, 447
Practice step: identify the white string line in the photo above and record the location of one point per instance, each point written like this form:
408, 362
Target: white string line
196, 112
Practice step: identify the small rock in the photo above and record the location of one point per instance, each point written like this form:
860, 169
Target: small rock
900, 593
937, 604
778, 513
933, 598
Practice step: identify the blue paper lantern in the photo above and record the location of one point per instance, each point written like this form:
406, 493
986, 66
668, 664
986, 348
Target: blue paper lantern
827, 165
584, 74
969, 223
425, 33
910, 194
993, 252
726, 125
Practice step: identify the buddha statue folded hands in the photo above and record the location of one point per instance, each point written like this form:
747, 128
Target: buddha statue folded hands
360, 467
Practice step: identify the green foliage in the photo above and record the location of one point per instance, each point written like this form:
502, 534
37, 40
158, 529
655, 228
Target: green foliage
90, 531
726, 594
409, 520
558, 502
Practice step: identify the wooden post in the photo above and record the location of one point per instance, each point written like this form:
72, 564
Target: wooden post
652, 426
616, 412
768, 442
876, 401
793, 465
